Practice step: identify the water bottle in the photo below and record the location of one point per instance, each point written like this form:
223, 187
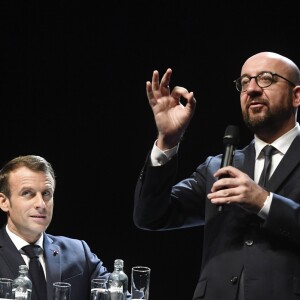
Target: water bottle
22, 285
118, 281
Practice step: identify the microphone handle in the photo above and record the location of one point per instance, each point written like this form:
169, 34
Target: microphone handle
220, 206
227, 160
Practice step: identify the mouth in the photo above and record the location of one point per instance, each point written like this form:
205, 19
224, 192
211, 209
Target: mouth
256, 104
38, 217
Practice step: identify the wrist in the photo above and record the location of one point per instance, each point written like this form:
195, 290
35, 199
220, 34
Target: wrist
166, 142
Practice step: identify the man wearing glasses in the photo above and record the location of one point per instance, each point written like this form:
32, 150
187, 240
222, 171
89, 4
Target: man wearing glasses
251, 248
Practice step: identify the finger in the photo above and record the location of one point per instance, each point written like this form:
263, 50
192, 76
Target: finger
179, 92
222, 197
191, 101
165, 81
150, 94
228, 171
155, 80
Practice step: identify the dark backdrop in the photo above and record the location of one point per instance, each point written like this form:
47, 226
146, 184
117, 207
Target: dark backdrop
73, 79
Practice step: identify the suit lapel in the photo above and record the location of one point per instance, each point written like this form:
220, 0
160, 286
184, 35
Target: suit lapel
288, 163
53, 264
9, 255
244, 159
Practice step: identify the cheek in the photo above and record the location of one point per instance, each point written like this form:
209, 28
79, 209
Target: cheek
243, 101
50, 204
17, 213
49, 207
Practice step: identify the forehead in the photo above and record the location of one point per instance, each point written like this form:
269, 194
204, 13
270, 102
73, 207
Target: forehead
259, 63
24, 176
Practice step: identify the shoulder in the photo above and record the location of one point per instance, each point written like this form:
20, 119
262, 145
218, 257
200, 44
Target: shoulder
240, 155
65, 242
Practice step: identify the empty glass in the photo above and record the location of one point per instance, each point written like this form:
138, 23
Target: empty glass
99, 289
61, 291
6, 288
140, 282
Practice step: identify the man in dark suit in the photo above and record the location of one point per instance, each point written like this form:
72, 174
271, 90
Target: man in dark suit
251, 248
27, 185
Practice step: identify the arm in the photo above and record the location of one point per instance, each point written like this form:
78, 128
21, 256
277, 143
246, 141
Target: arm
171, 118
160, 205
283, 218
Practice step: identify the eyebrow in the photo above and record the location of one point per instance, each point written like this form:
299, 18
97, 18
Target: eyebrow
246, 74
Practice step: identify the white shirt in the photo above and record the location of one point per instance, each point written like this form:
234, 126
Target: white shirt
282, 144
20, 243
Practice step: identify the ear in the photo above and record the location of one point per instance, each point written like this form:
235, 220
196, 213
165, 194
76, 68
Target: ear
296, 101
4, 202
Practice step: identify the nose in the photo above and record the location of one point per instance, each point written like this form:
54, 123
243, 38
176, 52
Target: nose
39, 201
253, 87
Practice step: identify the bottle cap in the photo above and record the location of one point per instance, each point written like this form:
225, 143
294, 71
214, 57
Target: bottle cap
119, 263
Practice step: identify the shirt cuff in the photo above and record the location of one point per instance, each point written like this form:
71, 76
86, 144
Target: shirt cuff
159, 157
263, 213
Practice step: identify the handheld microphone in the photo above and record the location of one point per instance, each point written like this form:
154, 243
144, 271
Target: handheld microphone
230, 141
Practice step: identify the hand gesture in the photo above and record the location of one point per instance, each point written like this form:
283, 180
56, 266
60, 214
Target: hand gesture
171, 116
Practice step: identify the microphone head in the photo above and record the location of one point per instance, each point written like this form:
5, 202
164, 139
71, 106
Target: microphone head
231, 135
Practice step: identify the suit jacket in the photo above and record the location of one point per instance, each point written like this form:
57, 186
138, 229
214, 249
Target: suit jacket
66, 259
267, 251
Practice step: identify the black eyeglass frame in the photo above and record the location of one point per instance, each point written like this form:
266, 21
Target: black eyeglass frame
255, 77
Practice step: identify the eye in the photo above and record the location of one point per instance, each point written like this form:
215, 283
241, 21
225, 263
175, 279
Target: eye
245, 81
47, 195
265, 78
27, 193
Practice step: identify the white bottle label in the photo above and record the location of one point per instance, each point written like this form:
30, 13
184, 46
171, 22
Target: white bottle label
20, 294
116, 289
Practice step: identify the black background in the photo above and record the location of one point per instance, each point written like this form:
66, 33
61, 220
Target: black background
73, 79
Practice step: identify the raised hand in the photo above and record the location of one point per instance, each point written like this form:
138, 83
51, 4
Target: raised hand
171, 116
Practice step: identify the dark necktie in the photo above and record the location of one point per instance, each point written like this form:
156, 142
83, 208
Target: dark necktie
36, 273
268, 151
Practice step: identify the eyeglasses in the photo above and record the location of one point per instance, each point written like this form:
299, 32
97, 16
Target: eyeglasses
263, 80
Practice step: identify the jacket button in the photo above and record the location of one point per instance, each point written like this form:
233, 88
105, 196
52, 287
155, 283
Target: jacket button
234, 279
249, 242
141, 175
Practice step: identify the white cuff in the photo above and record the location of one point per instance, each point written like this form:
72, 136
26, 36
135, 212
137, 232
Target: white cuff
159, 157
263, 213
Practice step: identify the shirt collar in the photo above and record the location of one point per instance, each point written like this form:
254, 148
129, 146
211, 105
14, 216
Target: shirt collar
282, 144
19, 242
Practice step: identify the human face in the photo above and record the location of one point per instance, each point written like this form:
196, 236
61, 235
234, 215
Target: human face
30, 206
268, 111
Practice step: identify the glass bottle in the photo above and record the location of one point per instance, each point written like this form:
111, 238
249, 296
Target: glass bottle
22, 285
118, 281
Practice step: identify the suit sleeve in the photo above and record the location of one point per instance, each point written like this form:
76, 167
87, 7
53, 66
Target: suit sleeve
162, 205
284, 219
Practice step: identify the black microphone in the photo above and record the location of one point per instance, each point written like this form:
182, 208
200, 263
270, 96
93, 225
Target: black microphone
230, 141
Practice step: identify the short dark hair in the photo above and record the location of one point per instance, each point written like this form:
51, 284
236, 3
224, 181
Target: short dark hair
33, 162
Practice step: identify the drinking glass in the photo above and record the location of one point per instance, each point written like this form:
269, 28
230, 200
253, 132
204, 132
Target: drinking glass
99, 289
6, 288
61, 291
140, 282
